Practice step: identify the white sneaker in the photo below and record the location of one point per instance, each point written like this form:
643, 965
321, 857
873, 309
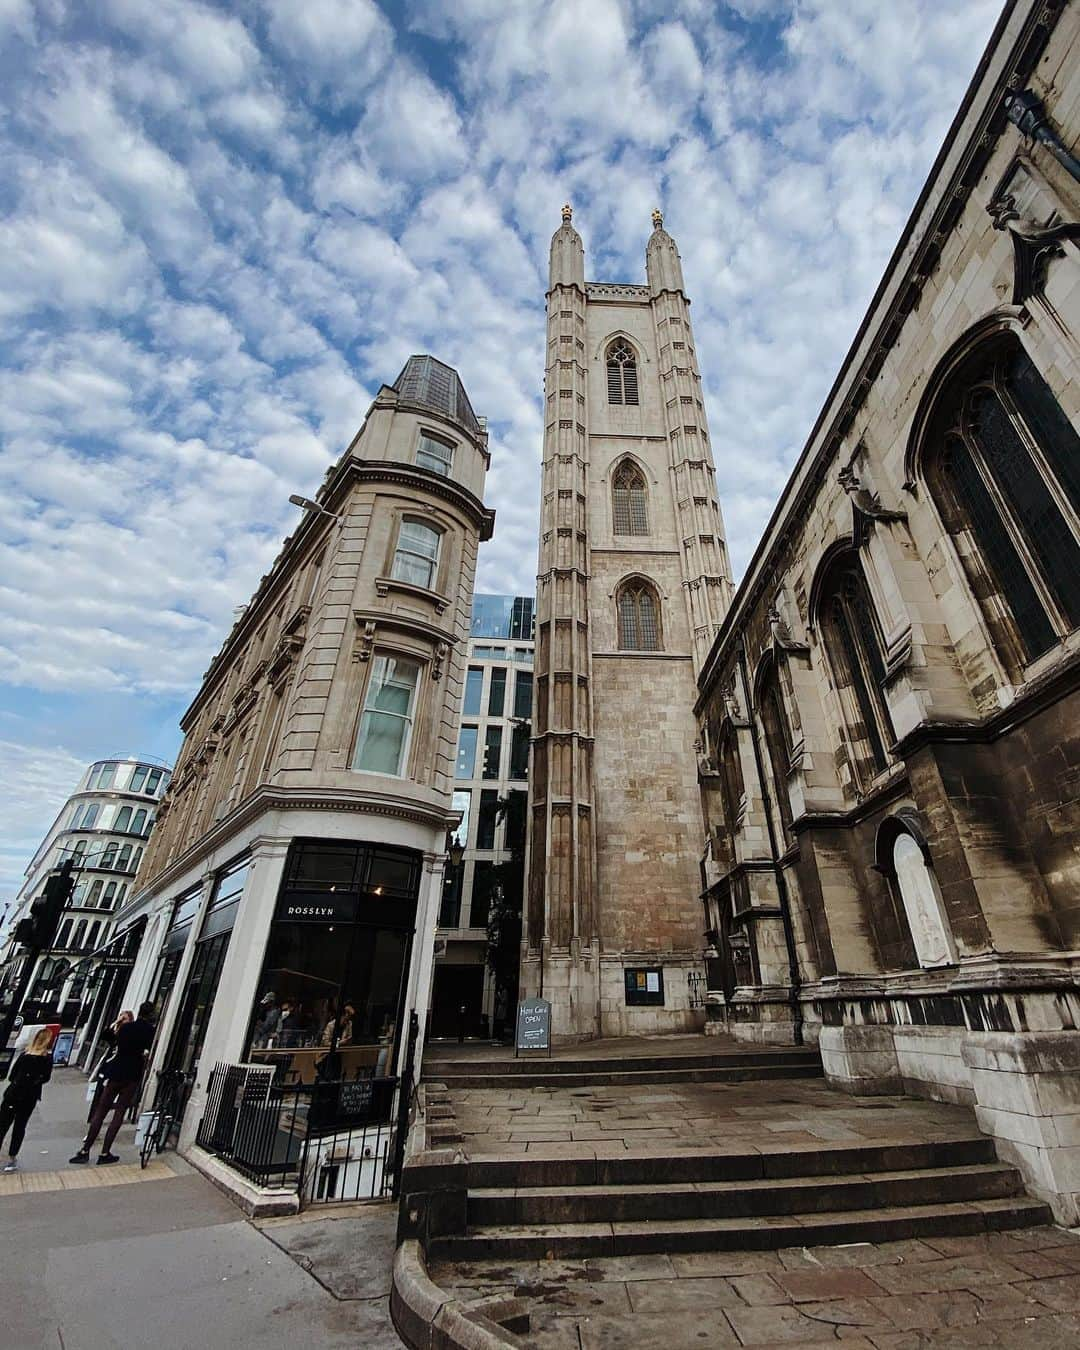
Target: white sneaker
11, 1165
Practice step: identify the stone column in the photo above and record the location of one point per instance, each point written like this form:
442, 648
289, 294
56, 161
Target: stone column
422, 961
703, 551
228, 1024
561, 946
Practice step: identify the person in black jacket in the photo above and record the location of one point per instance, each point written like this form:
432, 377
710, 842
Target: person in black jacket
123, 1072
29, 1074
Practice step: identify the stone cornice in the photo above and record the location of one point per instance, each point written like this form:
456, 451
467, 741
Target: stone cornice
269, 798
1004, 972
416, 480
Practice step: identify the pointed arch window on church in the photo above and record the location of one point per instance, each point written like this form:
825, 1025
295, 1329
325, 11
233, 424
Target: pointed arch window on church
853, 642
1003, 468
639, 618
622, 384
628, 507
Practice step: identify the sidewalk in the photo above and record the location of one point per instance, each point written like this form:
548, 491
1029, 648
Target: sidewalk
114, 1258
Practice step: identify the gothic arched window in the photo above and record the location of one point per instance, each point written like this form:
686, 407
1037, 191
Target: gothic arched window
639, 617
853, 643
777, 739
622, 384
1003, 465
629, 512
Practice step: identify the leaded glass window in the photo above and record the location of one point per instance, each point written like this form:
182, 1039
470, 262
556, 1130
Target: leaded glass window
639, 618
777, 743
622, 382
1005, 468
854, 645
628, 508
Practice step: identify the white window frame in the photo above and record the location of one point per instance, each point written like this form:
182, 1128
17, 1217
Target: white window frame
409, 552
379, 662
440, 453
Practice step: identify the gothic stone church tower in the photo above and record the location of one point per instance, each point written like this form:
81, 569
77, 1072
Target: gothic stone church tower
633, 583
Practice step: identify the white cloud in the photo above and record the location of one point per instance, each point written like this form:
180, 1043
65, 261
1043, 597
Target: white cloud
224, 226
341, 46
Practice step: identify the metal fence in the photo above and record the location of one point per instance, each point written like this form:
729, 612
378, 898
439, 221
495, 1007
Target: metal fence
329, 1141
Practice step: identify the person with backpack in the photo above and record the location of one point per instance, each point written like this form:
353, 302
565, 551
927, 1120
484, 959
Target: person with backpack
29, 1074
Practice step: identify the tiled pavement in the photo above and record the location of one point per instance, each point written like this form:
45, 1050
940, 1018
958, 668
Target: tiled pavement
1009, 1290
794, 1113
89, 1177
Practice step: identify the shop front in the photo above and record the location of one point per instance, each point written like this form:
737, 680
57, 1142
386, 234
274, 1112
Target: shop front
331, 992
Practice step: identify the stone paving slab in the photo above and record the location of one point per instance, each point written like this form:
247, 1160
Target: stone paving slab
622, 1047
1003, 1291
792, 1115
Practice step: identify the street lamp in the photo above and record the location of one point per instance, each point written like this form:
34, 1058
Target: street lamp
308, 505
455, 850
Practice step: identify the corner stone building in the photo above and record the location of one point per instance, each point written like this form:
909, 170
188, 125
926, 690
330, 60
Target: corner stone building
299, 853
633, 582
889, 718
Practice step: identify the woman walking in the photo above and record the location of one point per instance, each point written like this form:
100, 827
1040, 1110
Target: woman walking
29, 1074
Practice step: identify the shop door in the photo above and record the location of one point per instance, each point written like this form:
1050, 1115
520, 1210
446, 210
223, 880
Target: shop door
454, 988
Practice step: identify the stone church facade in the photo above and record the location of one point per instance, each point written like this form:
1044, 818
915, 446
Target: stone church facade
888, 720
633, 582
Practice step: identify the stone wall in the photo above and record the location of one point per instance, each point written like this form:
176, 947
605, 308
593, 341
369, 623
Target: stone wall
964, 985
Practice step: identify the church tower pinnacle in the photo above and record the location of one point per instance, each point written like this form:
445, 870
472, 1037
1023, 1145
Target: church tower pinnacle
566, 266
663, 266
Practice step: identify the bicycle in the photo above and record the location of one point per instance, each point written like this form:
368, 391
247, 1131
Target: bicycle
165, 1115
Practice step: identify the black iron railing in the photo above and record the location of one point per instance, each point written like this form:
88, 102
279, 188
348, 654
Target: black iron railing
308, 1137
335, 1140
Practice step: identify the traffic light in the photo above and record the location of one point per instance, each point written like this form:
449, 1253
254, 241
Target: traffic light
39, 930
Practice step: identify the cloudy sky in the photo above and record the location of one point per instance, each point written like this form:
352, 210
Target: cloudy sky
223, 226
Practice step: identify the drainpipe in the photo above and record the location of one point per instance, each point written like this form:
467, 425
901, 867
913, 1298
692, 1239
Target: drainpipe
794, 979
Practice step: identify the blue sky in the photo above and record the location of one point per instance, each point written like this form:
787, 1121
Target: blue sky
224, 225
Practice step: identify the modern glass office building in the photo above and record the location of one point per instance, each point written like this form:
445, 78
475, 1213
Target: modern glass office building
470, 997
104, 826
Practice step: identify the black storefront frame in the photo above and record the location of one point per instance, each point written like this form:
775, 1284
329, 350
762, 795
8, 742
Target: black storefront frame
361, 900
211, 950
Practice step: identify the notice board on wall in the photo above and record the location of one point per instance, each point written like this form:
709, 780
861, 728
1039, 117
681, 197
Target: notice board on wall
644, 986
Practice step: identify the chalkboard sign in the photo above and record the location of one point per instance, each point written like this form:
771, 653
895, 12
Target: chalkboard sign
533, 1026
354, 1099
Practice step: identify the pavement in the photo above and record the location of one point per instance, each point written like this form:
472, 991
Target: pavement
607, 1047
582, 1121
121, 1258
1010, 1291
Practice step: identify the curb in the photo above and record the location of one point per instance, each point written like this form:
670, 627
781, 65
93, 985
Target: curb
256, 1202
428, 1318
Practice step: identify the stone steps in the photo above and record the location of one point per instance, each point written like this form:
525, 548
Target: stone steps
547, 1205
528, 1242
651, 1167
753, 1198
512, 1075
509, 1068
